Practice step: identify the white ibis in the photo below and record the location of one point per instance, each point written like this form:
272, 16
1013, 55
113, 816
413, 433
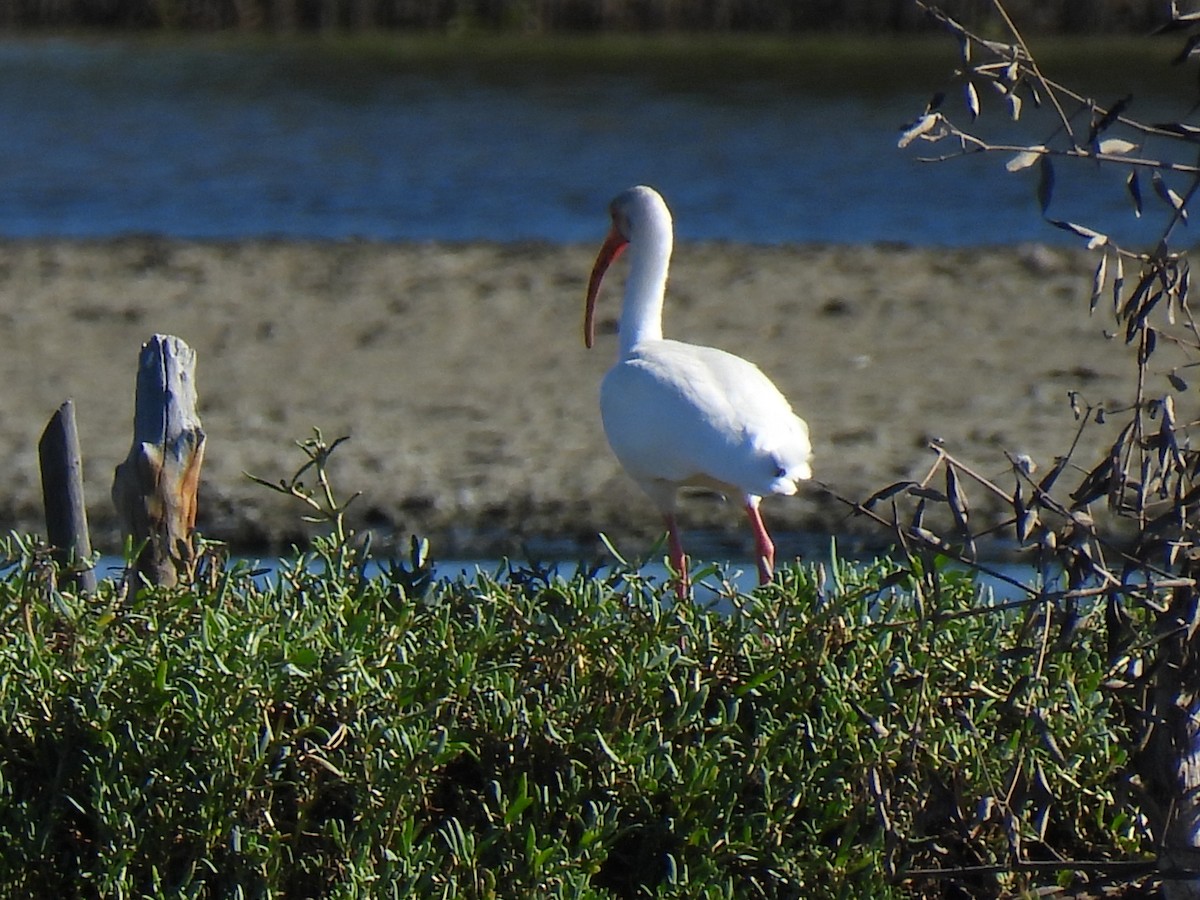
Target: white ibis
681, 415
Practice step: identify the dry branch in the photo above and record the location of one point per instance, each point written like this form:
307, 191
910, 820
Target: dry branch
1120, 534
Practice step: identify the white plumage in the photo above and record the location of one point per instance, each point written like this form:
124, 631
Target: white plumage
681, 415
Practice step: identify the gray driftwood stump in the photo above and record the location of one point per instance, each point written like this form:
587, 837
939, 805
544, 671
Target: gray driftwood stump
61, 466
154, 489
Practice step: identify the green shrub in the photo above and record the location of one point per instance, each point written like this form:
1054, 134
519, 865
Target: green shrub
327, 734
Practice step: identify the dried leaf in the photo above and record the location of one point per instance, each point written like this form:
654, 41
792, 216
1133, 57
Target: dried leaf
890, 491
1041, 819
1147, 348
985, 809
1025, 519
972, 101
1176, 382
1045, 188
1118, 283
1138, 321
1105, 478
1134, 186
927, 537
1098, 282
1094, 485
1116, 146
1041, 782
957, 500
927, 493
918, 519
922, 126
1051, 745
1167, 445
1167, 195
1094, 238
1180, 129
900, 576
1143, 286
1026, 158
1027, 524
1111, 116
1060, 463
1014, 104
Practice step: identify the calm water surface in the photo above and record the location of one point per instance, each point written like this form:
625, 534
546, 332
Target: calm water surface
740, 575
195, 140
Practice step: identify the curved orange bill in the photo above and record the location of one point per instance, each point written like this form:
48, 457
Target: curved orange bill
613, 245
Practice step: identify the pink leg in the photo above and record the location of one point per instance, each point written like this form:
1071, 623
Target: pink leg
764, 550
676, 557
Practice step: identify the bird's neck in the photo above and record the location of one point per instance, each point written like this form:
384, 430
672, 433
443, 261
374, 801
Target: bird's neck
645, 287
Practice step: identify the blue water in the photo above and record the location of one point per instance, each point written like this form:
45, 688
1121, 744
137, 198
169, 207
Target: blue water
739, 575
713, 587
188, 140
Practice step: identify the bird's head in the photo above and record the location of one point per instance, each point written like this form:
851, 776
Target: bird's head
632, 211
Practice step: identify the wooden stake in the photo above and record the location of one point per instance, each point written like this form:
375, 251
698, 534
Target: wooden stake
154, 489
62, 498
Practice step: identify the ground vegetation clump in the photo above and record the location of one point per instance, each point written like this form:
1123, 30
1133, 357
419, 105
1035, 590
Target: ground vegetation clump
338, 732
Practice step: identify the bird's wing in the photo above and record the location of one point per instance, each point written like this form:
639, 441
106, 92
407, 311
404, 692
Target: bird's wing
688, 414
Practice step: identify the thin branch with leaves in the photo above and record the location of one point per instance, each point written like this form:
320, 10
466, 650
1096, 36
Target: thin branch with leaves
1114, 537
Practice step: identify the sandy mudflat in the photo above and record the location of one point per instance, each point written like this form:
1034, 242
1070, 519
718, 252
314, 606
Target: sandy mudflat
460, 373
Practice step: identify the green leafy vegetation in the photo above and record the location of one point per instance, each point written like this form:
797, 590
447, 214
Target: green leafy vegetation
330, 733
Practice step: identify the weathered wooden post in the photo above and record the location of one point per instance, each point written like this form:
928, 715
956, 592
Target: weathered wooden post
62, 498
154, 489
